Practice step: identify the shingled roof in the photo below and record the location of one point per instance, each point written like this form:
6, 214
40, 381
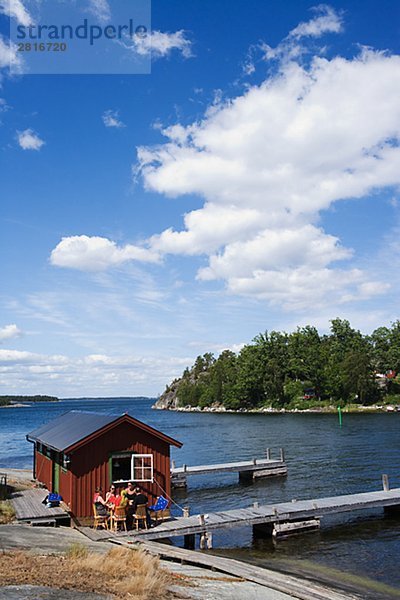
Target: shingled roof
71, 429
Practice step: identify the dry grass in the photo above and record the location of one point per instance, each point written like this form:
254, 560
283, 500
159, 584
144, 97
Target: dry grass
121, 571
7, 512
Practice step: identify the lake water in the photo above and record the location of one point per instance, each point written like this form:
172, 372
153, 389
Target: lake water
323, 460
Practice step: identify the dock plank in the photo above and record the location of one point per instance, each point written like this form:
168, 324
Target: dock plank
28, 506
287, 511
297, 588
243, 465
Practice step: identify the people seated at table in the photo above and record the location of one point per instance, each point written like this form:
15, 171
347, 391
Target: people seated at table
100, 503
135, 498
140, 498
115, 498
124, 499
110, 496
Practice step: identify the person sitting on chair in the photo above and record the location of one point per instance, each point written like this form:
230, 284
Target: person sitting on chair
110, 496
117, 499
100, 503
130, 496
139, 500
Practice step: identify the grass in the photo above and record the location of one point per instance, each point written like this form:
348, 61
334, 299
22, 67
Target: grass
131, 573
7, 512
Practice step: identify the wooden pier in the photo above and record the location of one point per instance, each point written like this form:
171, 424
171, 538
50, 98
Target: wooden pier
247, 469
264, 518
302, 588
29, 508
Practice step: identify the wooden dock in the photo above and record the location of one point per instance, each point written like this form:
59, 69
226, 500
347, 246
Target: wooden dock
301, 588
29, 508
263, 518
247, 469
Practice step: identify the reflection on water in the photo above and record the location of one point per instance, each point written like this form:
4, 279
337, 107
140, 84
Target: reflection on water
323, 460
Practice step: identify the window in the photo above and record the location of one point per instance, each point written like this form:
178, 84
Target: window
121, 467
131, 467
142, 467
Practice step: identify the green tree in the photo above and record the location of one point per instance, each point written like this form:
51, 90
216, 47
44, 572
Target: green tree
307, 357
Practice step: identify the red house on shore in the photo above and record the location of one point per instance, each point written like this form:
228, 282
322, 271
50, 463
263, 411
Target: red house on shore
78, 451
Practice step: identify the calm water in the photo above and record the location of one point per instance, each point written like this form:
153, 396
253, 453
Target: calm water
322, 458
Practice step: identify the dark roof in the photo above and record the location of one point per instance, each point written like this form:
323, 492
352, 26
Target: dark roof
75, 426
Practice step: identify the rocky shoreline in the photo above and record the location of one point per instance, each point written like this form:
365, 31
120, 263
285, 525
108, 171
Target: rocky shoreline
373, 409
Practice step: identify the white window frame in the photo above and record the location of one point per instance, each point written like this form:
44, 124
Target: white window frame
134, 467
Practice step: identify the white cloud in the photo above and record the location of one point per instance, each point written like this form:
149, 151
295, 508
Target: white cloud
111, 119
98, 375
9, 332
29, 140
269, 161
15, 9
160, 44
100, 9
274, 249
97, 253
326, 21
9, 56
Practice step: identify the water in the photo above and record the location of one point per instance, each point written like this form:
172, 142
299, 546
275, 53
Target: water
323, 459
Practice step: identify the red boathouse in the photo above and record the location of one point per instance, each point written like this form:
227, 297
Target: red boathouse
78, 451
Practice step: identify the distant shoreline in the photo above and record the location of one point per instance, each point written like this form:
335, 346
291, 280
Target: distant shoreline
19, 401
16, 405
373, 409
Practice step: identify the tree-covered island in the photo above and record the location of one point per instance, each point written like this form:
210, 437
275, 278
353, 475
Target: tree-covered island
297, 371
12, 400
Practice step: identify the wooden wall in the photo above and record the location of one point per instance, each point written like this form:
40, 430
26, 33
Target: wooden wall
89, 466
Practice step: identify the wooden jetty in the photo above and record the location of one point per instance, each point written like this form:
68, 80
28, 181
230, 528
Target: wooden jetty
302, 588
29, 508
298, 513
247, 469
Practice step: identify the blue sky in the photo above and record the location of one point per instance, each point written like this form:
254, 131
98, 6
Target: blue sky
250, 182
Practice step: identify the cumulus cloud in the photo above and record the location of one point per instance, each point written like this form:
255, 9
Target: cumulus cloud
111, 119
97, 374
9, 56
327, 20
9, 332
266, 163
29, 140
16, 10
161, 44
97, 253
269, 161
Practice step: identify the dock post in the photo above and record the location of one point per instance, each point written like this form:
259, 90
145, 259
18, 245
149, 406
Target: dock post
189, 541
263, 530
385, 483
282, 455
268, 453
